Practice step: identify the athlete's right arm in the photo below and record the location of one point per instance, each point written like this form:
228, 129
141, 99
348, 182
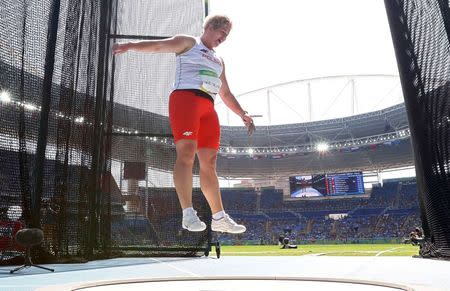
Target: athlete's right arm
177, 44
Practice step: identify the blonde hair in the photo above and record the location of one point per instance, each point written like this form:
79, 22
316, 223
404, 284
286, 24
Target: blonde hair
217, 21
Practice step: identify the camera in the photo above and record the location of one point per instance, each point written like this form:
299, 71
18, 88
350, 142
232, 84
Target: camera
285, 242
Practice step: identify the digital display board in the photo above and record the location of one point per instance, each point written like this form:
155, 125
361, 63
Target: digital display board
337, 184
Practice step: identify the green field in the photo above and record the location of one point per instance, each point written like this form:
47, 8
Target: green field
322, 250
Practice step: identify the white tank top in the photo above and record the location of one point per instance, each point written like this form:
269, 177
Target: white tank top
199, 68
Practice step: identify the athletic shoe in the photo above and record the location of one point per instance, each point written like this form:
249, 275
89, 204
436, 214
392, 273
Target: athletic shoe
191, 222
227, 224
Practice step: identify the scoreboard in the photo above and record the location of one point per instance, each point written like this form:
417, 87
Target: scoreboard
336, 184
344, 183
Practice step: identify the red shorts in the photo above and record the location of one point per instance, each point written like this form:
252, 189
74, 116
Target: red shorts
194, 117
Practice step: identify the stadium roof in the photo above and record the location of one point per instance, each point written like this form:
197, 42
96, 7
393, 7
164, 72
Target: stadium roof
371, 141
316, 99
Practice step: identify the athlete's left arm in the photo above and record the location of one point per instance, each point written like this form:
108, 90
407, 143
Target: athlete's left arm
232, 103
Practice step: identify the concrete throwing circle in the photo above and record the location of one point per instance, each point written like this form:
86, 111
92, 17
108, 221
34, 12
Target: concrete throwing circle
234, 284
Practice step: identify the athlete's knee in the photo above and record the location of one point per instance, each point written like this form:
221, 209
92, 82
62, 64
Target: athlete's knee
186, 153
185, 158
208, 162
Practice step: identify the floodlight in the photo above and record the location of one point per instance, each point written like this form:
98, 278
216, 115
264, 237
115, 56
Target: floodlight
5, 97
322, 147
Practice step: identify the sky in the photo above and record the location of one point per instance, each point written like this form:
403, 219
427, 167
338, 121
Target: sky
284, 40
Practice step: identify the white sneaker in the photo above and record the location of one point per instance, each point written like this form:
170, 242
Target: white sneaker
191, 222
227, 224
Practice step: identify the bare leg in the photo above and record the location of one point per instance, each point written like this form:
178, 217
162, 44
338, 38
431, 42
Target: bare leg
182, 173
210, 187
209, 182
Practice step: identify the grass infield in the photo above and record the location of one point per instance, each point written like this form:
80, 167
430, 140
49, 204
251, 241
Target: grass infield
322, 250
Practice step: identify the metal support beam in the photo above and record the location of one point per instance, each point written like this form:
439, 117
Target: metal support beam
269, 114
310, 117
146, 192
353, 96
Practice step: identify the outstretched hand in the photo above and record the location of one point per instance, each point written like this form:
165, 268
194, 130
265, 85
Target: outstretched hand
119, 48
248, 121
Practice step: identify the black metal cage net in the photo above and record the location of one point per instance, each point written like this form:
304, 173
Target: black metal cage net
48, 77
66, 165
141, 144
421, 34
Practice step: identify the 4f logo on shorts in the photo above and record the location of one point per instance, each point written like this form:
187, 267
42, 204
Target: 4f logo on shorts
187, 133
